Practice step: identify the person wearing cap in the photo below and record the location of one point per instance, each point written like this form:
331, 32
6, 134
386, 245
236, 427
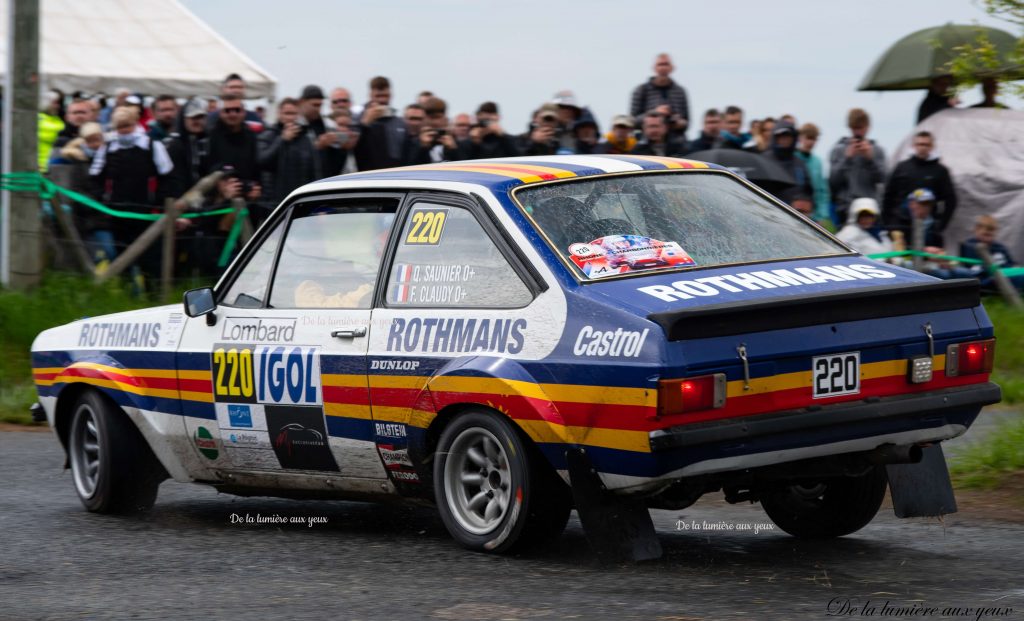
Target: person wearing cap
921, 170
782, 149
544, 135
921, 206
620, 140
569, 112
586, 133
656, 138
862, 231
660, 93
487, 139
187, 147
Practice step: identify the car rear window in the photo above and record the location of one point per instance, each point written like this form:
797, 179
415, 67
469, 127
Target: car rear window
622, 225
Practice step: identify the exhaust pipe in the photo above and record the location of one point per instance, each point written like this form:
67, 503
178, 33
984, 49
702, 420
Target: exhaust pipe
893, 454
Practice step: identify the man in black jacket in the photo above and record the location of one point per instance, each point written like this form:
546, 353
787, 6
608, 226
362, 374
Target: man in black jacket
331, 153
656, 139
662, 94
783, 151
187, 148
287, 155
709, 134
232, 144
921, 170
487, 139
382, 140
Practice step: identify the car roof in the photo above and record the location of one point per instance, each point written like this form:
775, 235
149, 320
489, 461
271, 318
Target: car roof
503, 174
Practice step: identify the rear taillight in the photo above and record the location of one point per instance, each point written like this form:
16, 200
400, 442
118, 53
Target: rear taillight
970, 358
691, 394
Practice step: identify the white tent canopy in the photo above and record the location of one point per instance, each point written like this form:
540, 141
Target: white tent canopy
982, 147
148, 46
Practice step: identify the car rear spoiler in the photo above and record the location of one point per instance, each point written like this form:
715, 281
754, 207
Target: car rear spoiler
816, 309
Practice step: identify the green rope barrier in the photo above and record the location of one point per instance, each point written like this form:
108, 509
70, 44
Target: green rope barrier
36, 183
1008, 271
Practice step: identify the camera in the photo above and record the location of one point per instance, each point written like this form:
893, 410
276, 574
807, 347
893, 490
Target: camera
484, 123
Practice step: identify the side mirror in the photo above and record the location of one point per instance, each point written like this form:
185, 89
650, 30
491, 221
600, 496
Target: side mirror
199, 302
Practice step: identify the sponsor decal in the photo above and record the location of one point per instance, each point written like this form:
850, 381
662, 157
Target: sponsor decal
405, 475
239, 416
618, 342
618, 254
426, 227
116, 335
205, 443
394, 365
266, 374
764, 279
299, 438
253, 330
389, 430
243, 439
457, 335
394, 458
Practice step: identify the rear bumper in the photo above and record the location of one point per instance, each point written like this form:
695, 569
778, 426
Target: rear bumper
934, 409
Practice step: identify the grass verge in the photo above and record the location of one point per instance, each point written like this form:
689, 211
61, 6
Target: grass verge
993, 459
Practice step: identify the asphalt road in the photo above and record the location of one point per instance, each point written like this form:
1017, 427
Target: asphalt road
186, 560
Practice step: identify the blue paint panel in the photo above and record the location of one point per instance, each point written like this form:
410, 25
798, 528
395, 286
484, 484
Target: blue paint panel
354, 428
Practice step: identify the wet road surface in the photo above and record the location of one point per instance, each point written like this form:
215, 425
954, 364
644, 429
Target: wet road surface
186, 560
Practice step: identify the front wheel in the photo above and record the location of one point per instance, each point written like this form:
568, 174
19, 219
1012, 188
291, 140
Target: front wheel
113, 468
494, 491
829, 508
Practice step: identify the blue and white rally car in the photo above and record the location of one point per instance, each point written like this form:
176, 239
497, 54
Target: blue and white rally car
512, 338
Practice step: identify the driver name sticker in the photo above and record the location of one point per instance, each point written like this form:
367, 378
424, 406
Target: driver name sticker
619, 254
425, 227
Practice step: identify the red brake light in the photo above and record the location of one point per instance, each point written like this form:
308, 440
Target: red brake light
970, 358
691, 394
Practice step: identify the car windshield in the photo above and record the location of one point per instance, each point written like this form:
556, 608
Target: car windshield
650, 222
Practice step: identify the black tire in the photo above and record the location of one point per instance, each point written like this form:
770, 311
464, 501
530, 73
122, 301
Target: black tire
832, 508
112, 467
539, 502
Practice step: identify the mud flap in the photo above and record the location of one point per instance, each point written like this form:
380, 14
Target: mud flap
922, 489
617, 528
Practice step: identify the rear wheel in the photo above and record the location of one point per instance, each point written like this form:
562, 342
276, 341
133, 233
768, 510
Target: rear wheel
494, 491
113, 468
830, 508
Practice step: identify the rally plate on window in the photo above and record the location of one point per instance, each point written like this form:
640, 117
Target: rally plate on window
835, 375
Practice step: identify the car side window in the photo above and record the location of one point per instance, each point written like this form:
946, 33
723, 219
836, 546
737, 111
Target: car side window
331, 254
445, 259
249, 290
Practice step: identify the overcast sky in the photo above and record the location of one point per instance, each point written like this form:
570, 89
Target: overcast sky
788, 56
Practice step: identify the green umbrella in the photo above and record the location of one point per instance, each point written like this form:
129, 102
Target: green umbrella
914, 60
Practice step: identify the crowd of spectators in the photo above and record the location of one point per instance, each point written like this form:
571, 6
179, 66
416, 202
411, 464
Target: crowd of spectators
133, 152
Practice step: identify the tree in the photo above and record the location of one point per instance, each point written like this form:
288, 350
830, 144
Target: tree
973, 63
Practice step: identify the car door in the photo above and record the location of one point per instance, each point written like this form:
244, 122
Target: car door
276, 380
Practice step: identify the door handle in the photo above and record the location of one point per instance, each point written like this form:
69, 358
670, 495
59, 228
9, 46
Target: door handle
349, 333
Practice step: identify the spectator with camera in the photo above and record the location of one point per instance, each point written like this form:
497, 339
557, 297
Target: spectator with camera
231, 143
437, 144
287, 154
382, 133
656, 139
661, 94
544, 135
857, 165
487, 139
188, 148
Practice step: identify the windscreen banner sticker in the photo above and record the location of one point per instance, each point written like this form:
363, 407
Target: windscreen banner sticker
425, 227
619, 254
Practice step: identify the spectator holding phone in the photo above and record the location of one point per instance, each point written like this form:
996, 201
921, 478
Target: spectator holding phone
544, 135
383, 134
857, 165
437, 144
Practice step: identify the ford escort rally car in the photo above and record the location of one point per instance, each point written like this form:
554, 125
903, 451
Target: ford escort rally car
513, 338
